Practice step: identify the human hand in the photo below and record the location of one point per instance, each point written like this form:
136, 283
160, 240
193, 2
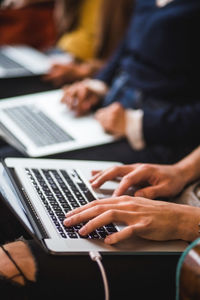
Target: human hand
148, 219
112, 119
60, 74
152, 180
79, 98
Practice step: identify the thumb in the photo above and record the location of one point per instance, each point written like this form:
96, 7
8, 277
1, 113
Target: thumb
151, 192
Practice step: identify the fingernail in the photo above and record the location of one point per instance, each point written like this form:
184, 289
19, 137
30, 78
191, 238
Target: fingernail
82, 231
68, 214
67, 222
107, 240
94, 183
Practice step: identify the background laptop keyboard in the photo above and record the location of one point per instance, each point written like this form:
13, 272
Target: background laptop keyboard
37, 126
61, 191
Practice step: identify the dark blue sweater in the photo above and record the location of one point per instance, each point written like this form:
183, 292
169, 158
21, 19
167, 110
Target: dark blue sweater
161, 53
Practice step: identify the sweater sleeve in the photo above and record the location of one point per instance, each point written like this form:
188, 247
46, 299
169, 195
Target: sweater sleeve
109, 71
172, 125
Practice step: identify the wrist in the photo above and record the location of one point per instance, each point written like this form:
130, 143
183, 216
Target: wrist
185, 172
188, 224
84, 70
99, 87
134, 128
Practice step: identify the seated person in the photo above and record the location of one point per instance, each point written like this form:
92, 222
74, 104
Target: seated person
86, 31
149, 89
146, 218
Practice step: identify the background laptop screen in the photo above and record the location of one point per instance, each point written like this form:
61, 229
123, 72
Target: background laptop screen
9, 194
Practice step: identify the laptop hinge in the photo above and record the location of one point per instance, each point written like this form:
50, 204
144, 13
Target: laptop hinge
12, 139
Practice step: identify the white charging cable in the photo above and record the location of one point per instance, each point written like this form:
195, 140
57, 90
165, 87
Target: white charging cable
96, 256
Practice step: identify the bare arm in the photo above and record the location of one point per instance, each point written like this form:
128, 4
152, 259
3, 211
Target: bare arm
154, 220
152, 180
190, 166
149, 219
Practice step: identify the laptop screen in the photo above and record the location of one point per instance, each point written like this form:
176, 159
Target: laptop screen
10, 196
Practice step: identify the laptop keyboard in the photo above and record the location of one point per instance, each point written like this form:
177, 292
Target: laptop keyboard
8, 63
37, 126
61, 191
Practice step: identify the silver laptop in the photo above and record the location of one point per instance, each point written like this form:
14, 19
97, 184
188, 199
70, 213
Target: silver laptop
41, 191
39, 125
19, 61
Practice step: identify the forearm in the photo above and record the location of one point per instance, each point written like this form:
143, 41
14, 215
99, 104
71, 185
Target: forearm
190, 166
91, 67
188, 220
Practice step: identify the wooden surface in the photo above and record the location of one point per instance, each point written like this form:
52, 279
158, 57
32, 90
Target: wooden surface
33, 26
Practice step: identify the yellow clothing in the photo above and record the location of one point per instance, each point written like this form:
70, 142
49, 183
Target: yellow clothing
82, 41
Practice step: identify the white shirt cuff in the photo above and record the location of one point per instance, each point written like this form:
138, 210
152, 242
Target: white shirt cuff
134, 130
97, 86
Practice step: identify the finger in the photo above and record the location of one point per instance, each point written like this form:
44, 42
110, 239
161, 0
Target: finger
95, 175
85, 101
51, 76
76, 103
99, 113
124, 234
136, 177
58, 82
56, 66
110, 174
129, 168
104, 176
70, 97
65, 94
106, 124
87, 104
109, 216
70, 89
94, 172
65, 88
151, 192
92, 204
90, 213
106, 210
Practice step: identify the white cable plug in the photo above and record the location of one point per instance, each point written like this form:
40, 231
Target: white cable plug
96, 256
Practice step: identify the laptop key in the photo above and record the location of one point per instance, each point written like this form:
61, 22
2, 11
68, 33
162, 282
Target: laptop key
94, 235
72, 235
60, 195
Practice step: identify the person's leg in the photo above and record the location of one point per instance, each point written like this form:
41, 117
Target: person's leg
19, 252
17, 271
47, 276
